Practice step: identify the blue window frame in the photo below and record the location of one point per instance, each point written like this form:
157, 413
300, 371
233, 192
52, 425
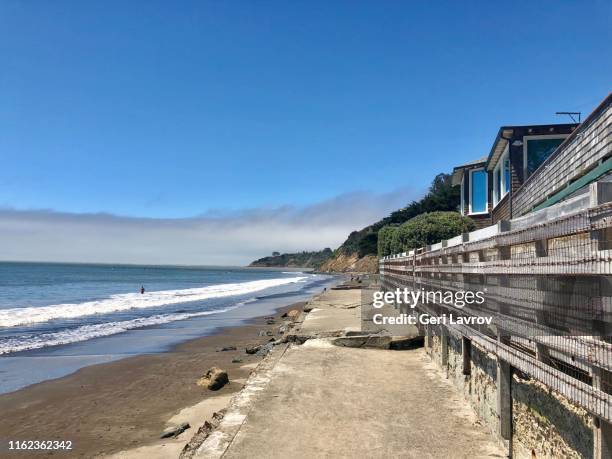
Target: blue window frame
501, 178
462, 207
506, 176
478, 191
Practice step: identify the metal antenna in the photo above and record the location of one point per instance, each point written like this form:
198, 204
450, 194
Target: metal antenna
571, 115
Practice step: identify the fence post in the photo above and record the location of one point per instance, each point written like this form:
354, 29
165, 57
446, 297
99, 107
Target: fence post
466, 354
444, 346
601, 192
504, 399
602, 430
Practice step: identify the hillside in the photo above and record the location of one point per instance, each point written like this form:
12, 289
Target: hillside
350, 263
359, 253
361, 247
294, 260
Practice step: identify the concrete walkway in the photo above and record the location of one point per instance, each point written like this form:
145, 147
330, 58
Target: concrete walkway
333, 312
318, 400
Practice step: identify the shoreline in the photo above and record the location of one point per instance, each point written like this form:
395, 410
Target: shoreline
58, 352
125, 404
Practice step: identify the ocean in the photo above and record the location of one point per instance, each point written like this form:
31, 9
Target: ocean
56, 318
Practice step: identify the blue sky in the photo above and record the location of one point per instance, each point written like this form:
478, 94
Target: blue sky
175, 109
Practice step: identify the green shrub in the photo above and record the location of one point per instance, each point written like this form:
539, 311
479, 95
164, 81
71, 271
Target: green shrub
385, 236
424, 229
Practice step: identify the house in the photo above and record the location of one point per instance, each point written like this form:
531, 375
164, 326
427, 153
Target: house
516, 154
488, 183
532, 167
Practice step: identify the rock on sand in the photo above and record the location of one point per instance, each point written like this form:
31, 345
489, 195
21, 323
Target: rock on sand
214, 379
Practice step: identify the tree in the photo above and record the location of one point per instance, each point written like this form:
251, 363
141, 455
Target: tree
441, 196
424, 229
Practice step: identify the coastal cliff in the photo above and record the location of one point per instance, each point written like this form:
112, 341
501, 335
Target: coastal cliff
360, 251
312, 260
342, 263
325, 261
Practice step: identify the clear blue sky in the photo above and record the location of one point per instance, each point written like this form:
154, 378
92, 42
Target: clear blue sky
168, 109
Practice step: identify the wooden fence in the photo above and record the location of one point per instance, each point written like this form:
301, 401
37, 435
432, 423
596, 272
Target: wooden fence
547, 281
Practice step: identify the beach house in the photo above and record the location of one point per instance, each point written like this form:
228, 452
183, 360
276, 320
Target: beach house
488, 184
542, 201
532, 167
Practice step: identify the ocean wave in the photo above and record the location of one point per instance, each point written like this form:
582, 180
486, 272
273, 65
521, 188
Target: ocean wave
126, 301
87, 332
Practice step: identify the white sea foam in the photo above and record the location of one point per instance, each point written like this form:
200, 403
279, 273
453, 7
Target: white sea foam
125, 301
87, 332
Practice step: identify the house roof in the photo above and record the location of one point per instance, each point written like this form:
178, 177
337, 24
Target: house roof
458, 170
505, 132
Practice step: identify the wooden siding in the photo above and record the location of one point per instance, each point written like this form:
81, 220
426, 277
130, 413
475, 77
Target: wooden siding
502, 210
481, 221
585, 149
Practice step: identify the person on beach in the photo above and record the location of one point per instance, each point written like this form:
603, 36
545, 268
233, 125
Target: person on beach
142, 289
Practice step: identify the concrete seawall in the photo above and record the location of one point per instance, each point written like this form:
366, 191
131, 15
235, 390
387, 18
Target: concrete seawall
544, 423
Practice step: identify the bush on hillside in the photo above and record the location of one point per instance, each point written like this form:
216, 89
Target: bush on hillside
385, 234
424, 229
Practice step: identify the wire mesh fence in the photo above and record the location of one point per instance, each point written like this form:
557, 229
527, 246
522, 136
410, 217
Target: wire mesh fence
547, 289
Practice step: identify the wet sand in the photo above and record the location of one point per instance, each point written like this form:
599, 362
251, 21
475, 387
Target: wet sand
126, 404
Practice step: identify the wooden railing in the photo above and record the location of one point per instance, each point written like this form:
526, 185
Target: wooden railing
547, 279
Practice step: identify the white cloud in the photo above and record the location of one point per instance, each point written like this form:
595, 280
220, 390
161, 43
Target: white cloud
222, 238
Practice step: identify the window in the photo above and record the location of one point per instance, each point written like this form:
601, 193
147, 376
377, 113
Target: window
463, 194
501, 178
497, 182
506, 175
536, 148
478, 191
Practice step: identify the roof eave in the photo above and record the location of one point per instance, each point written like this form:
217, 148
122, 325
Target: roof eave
499, 146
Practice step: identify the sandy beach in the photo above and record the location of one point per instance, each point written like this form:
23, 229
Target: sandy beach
126, 404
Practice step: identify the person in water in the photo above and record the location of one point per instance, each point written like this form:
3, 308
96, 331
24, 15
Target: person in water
142, 290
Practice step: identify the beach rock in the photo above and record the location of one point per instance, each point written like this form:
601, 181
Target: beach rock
227, 348
293, 314
236, 360
307, 308
175, 431
262, 332
270, 322
269, 333
214, 379
252, 349
283, 329
265, 349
